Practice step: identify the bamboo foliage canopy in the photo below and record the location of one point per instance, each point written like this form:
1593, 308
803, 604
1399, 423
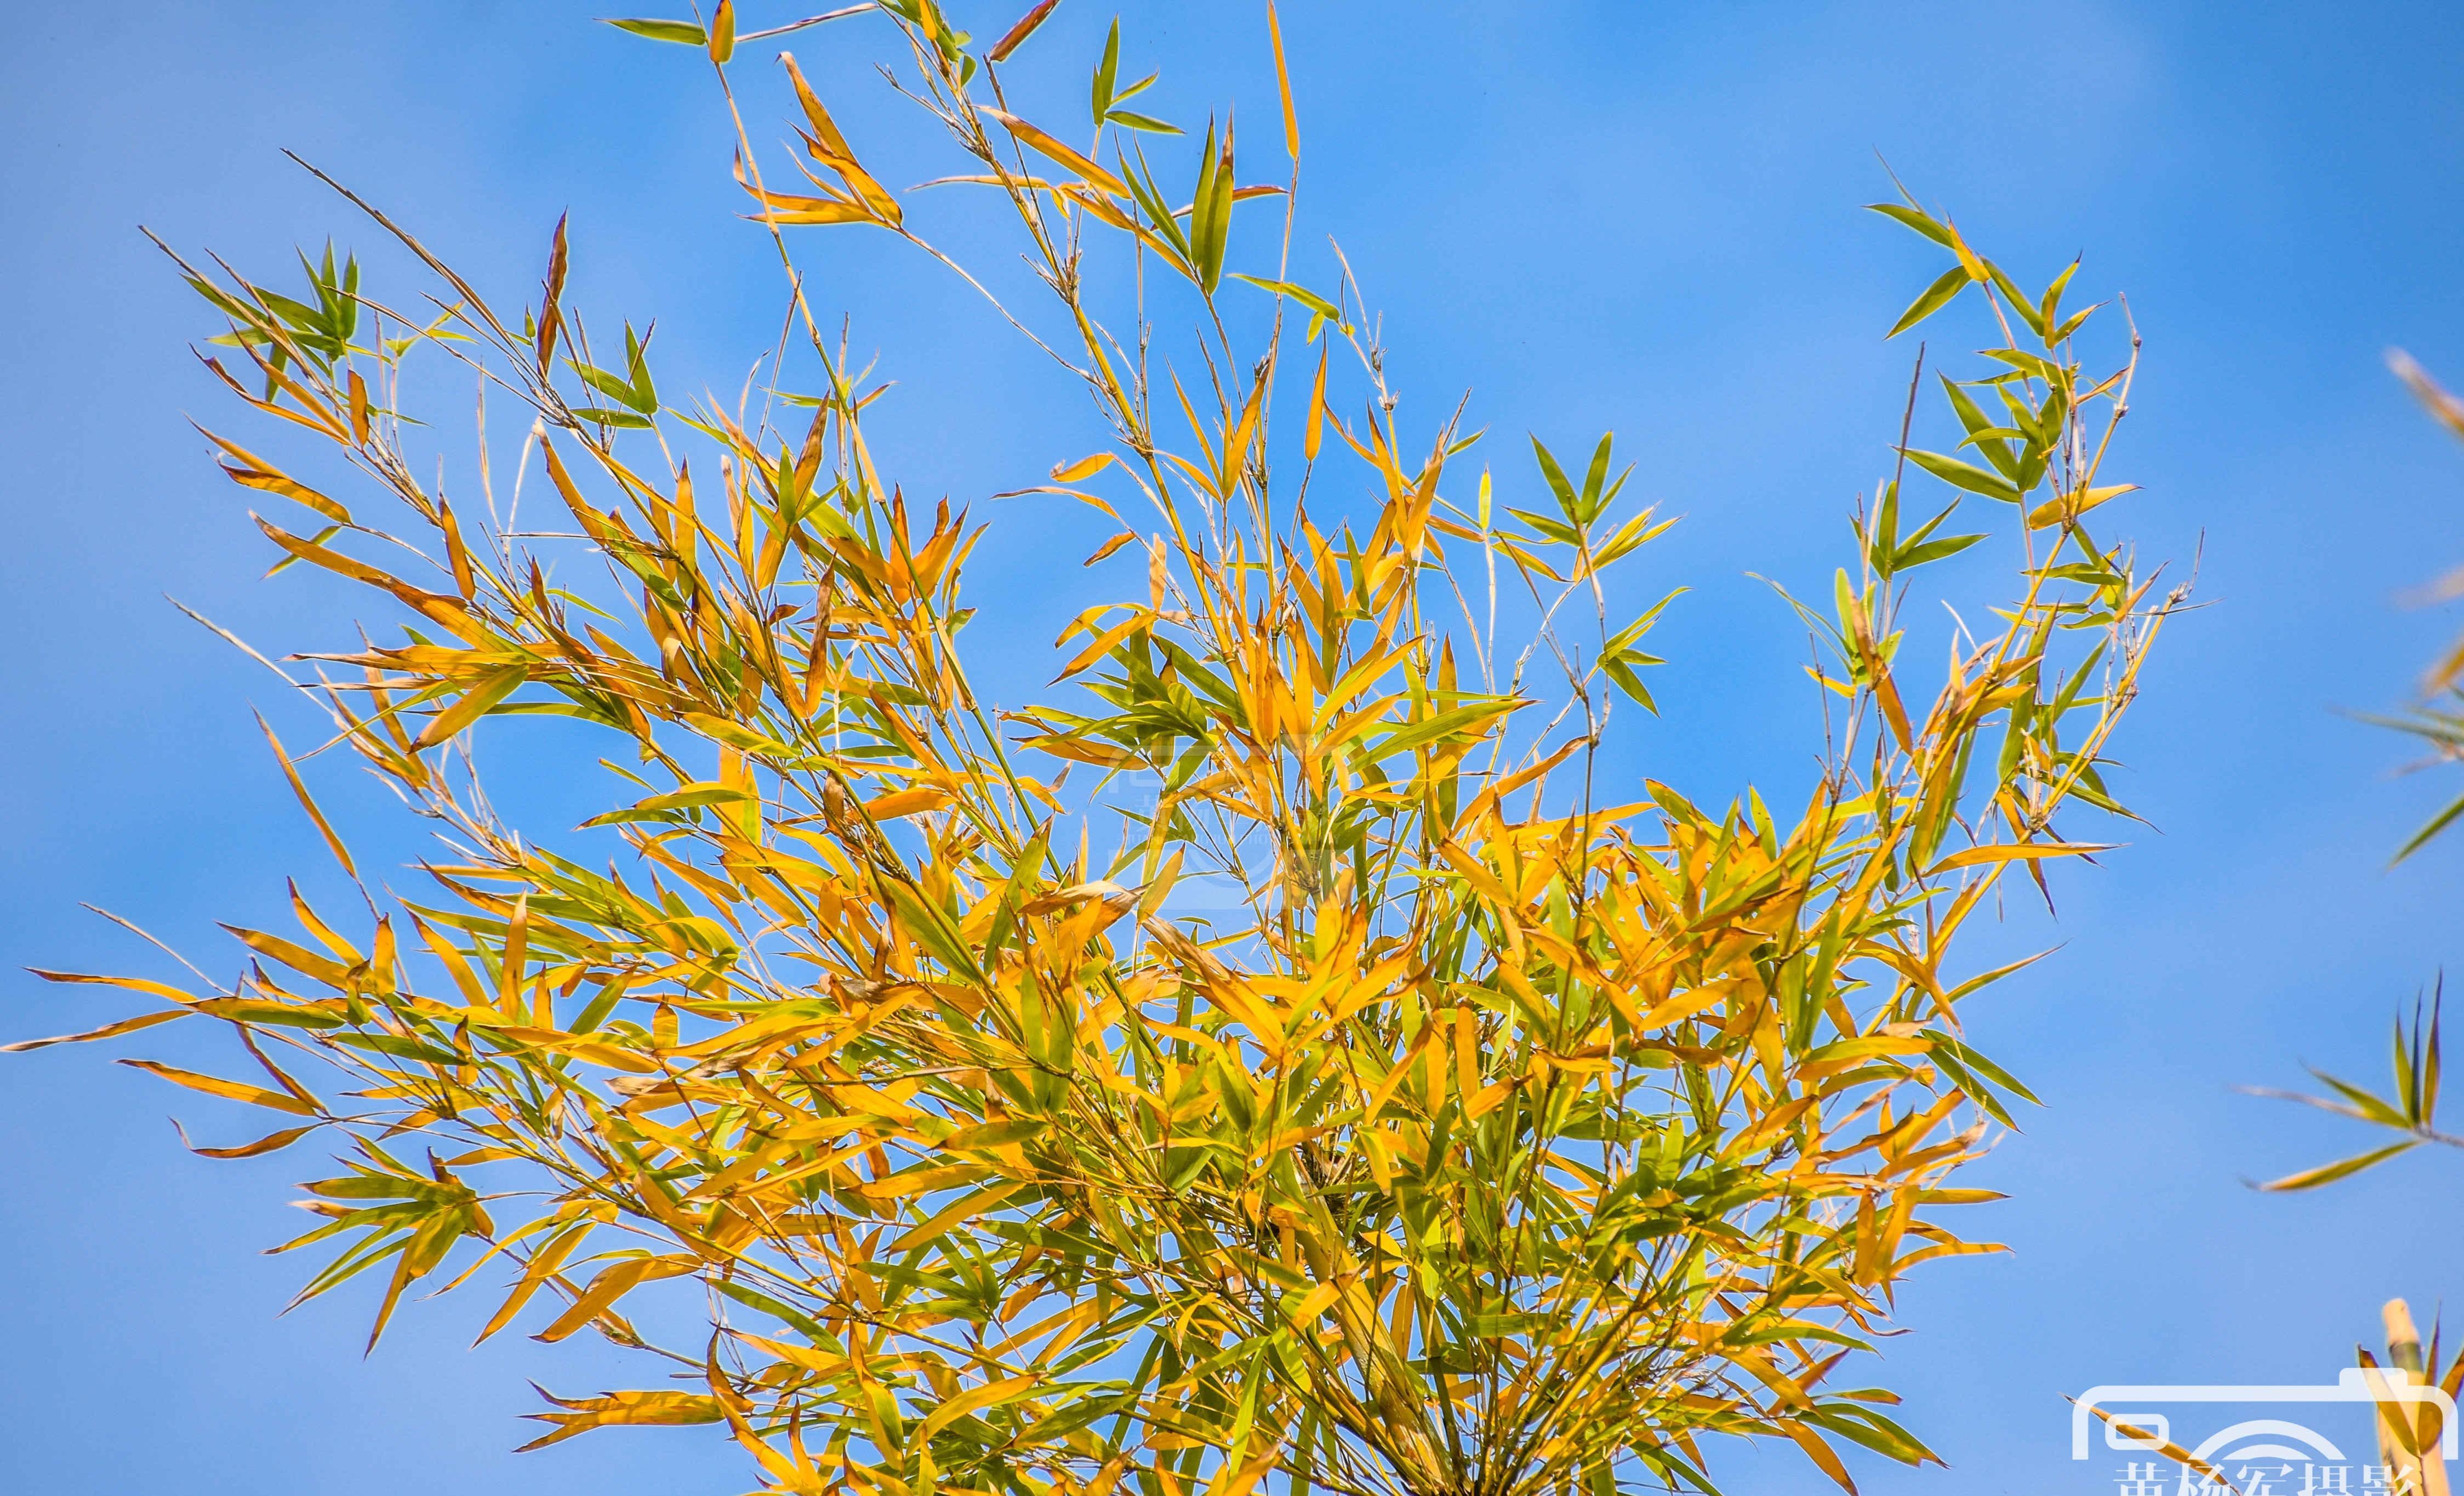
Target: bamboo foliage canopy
1489, 1133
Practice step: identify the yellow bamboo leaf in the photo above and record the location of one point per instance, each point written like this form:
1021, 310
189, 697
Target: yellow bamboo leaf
1284, 87
126, 1025
612, 1283
2018, 851
1083, 469
476, 702
974, 1399
299, 789
1038, 141
906, 803
132, 983
924, 1180
233, 1091
615, 1408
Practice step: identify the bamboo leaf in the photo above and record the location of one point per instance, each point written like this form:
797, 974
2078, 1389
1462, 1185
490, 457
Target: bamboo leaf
231, 1091
687, 33
2342, 1168
1020, 30
113, 1030
1934, 298
1965, 475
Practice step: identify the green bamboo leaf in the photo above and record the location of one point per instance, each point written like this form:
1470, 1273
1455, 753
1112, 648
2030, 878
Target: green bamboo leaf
1106, 71
2018, 298
1963, 475
1306, 298
685, 33
2430, 832
1918, 555
1934, 298
1210, 212
2052, 304
1558, 483
2342, 1168
1459, 723
620, 418
1620, 668
1921, 222
1131, 120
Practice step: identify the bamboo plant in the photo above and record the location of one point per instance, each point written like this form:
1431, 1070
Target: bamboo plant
2409, 1434
1505, 1129
2409, 1108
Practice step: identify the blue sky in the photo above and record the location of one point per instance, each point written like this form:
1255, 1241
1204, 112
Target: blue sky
1638, 217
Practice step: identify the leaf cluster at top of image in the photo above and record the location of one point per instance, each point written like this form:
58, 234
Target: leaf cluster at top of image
1489, 1133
